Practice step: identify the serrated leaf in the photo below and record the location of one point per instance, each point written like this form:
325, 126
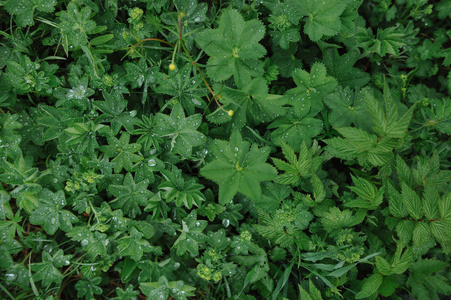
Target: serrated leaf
412, 202
238, 168
323, 17
341, 67
233, 48
371, 286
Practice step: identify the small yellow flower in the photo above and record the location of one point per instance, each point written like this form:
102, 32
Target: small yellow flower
172, 67
230, 113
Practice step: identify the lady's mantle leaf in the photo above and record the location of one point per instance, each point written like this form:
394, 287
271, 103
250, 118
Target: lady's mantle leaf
233, 48
238, 168
50, 213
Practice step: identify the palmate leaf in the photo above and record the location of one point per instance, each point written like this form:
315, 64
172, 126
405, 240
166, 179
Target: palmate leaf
184, 87
130, 196
50, 213
24, 9
181, 130
311, 88
48, 270
346, 107
388, 40
371, 286
252, 104
342, 68
238, 168
191, 235
233, 48
183, 191
123, 152
322, 17
133, 245
295, 130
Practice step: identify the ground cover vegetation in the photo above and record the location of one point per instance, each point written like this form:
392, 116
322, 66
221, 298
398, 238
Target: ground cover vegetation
186, 149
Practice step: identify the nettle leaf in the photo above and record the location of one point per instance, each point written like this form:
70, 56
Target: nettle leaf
183, 191
312, 294
25, 9
342, 68
346, 107
122, 151
133, 245
191, 235
370, 287
322, 17
181, 130
50, 214
113, 112
48, 270
412, 202
295, 130
184, 87
130, 196
251, 105
238, 168
233, 48
311, 89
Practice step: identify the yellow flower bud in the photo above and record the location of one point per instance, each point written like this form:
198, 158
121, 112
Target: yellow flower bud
230, 113
172, 67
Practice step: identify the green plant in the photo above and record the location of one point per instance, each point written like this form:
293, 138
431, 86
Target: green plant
185, 149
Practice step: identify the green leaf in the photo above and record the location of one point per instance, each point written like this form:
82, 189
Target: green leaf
388, 40
387, 123
297, 168
346, 107
412, 202
191, 235
430, 203
183, 87
130, 196
370, 287
369, 196
181, 130
310, 90
238, 168
88, 287
183, 192
113, 112
133, 245
24, 9
322, 17
251, 105
295, 130
48, 270
341, 68
93, 242
123, 152
233, 48
50, 213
